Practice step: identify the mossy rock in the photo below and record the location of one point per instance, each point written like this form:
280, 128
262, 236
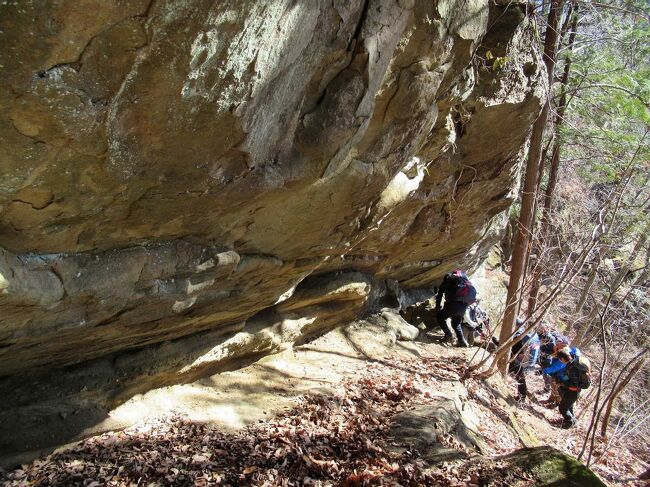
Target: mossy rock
552, 468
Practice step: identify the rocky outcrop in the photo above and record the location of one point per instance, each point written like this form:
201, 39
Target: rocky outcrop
423, 427
189, 186
549, 467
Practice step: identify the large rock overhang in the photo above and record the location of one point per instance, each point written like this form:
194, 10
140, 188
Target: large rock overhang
178, 177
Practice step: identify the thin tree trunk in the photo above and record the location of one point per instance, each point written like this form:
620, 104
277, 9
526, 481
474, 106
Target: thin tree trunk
596, 415
590, 282
524, 225
541, 241
614, 394
532, 248
583, 328
599, 407
625, 268
582, 332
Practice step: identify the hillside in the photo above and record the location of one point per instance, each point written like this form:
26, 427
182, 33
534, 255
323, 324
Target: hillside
362, 405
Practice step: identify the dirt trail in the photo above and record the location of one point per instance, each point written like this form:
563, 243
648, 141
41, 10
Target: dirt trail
265, 424
235, 399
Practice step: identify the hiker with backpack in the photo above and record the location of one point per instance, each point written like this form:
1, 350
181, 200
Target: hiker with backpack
525, 354
573, 378
555, 370
459, 293
476, 323
550, 340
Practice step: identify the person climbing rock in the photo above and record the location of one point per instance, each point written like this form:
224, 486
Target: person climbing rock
574, 378
525, 355
459, 293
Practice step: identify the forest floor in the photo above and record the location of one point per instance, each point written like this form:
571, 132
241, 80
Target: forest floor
324, 414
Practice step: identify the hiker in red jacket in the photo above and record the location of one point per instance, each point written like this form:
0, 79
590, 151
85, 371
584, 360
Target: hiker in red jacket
459, 293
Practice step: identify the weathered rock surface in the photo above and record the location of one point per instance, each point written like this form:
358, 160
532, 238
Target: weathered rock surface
186, 187
552, 468
423, 428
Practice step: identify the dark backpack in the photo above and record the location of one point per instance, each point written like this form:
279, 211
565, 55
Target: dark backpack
465, 291
583, 366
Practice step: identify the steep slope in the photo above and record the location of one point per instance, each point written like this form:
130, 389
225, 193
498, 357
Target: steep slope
355, 407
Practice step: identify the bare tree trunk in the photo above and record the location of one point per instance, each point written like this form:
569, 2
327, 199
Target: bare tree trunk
583, 335
532, 247
596, 414
598, 408
583, 328
645, 275
625, 268
614, 394
590, 282
524, 224
541, 241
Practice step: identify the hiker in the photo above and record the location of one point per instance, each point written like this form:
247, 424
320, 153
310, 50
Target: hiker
525, 354
549, 339
573, 378
459, 293
477, 322
555, 370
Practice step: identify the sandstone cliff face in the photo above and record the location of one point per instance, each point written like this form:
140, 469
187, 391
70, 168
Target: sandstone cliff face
189, 185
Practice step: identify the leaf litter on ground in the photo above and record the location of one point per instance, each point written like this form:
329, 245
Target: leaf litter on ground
340, 439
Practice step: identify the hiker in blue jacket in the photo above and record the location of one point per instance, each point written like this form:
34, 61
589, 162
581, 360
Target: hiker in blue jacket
525, 355
549, 339
573, 376
555, 372
459, 293
557, 368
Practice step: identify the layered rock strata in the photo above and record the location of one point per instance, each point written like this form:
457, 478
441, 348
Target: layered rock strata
187, 186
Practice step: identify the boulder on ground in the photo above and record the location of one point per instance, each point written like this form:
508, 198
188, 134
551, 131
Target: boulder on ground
552, 468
